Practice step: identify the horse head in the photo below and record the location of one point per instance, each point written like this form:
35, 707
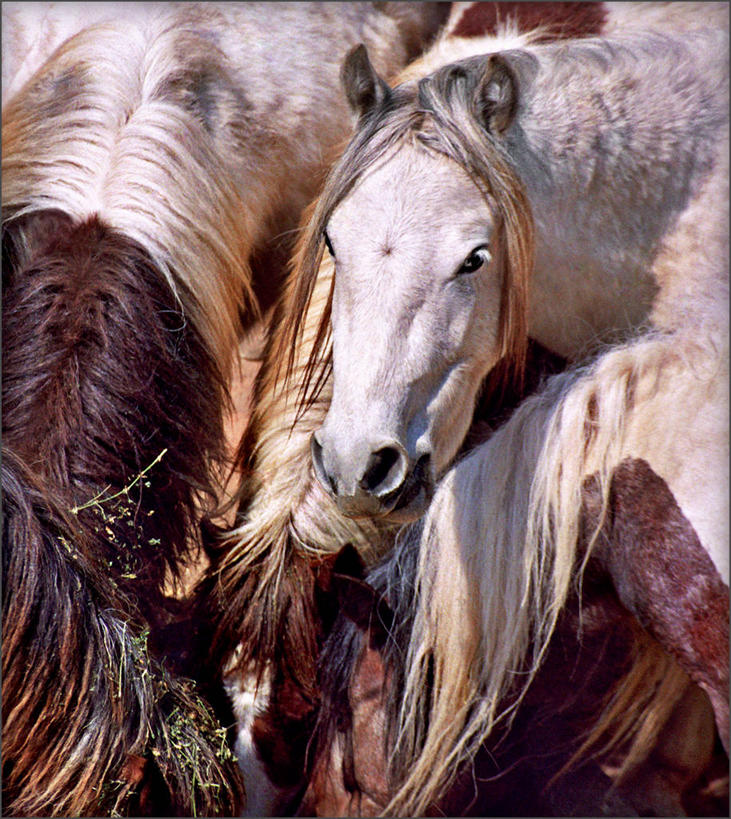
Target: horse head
426, 297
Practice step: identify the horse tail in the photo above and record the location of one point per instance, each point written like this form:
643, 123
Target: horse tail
119, 735
502, 546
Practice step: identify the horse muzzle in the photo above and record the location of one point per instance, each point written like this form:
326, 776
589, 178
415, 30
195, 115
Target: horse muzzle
385, 484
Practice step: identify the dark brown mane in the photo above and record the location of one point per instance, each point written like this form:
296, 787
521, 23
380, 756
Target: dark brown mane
101, 374
77, 674
112, 424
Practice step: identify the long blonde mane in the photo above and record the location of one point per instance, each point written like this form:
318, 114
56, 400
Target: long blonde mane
499, 551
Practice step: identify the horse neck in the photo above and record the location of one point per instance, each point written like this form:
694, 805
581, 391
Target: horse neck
612, 146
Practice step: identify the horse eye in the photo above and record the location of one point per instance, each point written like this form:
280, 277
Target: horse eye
474, 261
328, 244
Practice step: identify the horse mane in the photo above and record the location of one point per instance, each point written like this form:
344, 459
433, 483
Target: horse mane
112, 404
85, 313
491, 583
250, 583
134, 147
119, 718
439, 114
125, 275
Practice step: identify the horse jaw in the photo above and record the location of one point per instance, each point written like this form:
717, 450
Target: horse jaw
412, 340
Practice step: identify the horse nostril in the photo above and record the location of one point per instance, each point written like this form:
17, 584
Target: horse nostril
384, 471
327, 480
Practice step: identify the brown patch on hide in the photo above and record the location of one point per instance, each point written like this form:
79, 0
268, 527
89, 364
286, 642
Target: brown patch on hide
368, 693
665, 577
351, 777
562, 20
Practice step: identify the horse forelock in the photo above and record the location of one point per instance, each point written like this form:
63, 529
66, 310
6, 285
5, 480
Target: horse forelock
458, 132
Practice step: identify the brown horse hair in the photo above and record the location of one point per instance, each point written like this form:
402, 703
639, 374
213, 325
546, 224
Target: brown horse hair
101, 375
92, 723
112, 415
440, 114
556, 20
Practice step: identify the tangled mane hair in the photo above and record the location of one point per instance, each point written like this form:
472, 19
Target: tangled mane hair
96, 442
443, 113
95, 347
623, 691
92, 723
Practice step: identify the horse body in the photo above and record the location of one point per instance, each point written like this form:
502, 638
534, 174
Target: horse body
613, 256
144, 167
533, 767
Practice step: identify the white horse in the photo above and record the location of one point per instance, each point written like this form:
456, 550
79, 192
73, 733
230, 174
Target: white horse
284, 510
554, 131
618, 149
282, 501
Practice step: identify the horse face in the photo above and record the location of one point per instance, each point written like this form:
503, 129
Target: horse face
415, 322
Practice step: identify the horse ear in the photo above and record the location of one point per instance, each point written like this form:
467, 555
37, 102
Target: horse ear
497, 94
364, 89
